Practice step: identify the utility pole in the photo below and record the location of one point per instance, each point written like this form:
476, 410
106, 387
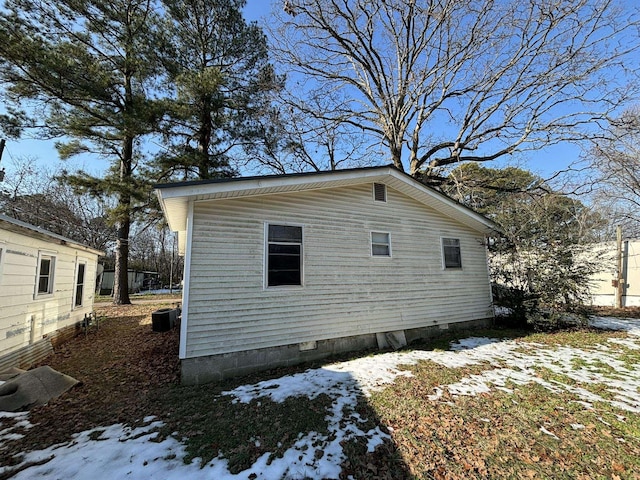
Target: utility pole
620, 279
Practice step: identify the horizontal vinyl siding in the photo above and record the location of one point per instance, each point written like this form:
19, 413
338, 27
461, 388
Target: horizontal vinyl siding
346, 291
20, 311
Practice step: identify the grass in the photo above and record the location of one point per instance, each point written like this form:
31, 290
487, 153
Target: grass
499, 435
129, 372
214, 424
142, 296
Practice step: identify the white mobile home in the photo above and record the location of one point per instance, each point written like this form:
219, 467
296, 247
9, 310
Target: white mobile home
137, 281
289, 268
47, 285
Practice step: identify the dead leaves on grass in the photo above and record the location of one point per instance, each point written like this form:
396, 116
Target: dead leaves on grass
120, 365
502, 435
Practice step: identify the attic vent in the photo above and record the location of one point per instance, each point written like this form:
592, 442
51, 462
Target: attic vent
379, 192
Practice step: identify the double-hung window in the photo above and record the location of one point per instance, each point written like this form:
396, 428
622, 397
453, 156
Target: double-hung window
380, 244
451, 255
46, 270
284, 255
79, 284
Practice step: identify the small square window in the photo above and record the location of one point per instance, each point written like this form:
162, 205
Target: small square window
380, 244
451, 253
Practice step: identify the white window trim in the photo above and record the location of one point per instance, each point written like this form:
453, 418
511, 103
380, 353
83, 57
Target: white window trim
265, 260
52, 274
444, 266
371, 244
79, 261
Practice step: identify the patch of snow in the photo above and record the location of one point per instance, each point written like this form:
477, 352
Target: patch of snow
499, 311
17, 420
471, 342
118, 452
630, 325
547, 432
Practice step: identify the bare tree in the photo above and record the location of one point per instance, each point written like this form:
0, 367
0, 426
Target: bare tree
33, 194
154, 248
295, 138
439, 82
617, 163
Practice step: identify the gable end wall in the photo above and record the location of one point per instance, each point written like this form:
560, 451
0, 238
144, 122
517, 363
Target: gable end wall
346, 292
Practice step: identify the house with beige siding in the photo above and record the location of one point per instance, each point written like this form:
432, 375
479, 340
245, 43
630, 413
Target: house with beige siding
47, 285
603, 284
290, 268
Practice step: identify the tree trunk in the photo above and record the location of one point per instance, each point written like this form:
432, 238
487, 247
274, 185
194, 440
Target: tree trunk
204, 138
414, 165
396, 156
121, 274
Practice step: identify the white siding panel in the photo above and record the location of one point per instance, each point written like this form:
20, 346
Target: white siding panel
346, 291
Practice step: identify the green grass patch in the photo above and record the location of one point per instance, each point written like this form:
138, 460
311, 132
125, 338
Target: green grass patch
212, 424
577, 338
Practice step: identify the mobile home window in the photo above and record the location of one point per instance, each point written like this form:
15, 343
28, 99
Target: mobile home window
284, 255
80, 284
380, 244
46, 270
451, 253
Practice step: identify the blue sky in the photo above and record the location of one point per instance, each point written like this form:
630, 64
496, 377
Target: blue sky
44, 152
545, 162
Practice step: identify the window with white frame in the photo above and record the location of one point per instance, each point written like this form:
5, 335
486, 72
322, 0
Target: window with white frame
80, 277
380, 244
452, 257
46, 270
284, 255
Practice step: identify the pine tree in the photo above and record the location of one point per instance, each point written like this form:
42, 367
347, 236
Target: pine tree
88, 66
218, 77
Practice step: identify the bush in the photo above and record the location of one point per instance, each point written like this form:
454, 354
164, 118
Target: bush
524, 311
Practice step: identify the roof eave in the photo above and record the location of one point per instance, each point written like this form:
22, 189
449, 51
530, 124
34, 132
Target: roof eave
24, 228
174, 199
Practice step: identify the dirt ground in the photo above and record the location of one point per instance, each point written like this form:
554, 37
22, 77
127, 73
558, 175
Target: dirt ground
121, 364
125, 370
627, 312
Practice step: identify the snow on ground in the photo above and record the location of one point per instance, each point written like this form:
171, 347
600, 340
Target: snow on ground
630, 325
118, 451
19, 422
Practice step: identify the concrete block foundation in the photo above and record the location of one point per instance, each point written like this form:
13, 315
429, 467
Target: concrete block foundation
215, 368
